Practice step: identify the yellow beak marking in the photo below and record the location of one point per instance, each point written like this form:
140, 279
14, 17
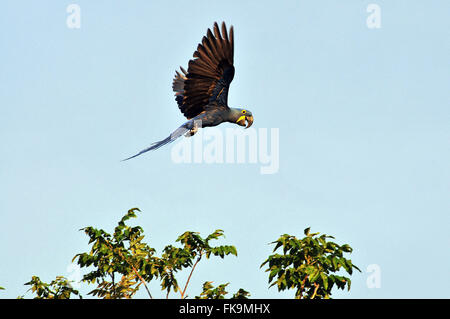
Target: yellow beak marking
241, 118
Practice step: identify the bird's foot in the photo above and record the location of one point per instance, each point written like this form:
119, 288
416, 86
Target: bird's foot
191, 132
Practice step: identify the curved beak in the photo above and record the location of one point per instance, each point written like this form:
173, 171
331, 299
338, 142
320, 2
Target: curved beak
249, 121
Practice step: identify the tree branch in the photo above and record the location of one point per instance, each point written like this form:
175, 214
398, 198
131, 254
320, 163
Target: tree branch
189, 278
134, 269
315, 290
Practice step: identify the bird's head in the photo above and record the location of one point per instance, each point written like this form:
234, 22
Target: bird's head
242, 116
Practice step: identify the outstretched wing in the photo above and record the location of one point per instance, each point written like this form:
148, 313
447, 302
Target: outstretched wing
209, 74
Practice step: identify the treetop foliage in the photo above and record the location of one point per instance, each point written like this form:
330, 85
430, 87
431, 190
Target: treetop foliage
119, 264
308, 265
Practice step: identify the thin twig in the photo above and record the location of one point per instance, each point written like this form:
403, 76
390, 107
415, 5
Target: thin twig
315, 290
189, 278
142, 279
302, 287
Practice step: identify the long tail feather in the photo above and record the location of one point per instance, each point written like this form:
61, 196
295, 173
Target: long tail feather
172, 137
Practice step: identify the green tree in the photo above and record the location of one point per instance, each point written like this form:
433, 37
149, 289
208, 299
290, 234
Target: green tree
123, 262
119, 264
309, 265
60, 288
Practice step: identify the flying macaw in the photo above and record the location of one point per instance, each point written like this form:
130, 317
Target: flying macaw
201, 92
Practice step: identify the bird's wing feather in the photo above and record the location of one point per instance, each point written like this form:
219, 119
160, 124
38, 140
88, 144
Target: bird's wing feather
209, 73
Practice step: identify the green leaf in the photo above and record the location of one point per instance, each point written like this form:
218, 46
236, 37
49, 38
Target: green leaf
273, 273
314, 275
324, 280
233, 250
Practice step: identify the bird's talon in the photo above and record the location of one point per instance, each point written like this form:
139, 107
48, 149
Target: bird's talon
191, 132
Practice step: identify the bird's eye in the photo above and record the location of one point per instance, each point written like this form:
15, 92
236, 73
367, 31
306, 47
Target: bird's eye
243, 111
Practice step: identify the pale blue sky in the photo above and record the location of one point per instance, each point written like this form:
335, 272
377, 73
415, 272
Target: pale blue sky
363, 116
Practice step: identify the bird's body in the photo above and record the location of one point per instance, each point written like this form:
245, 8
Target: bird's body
201, 92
